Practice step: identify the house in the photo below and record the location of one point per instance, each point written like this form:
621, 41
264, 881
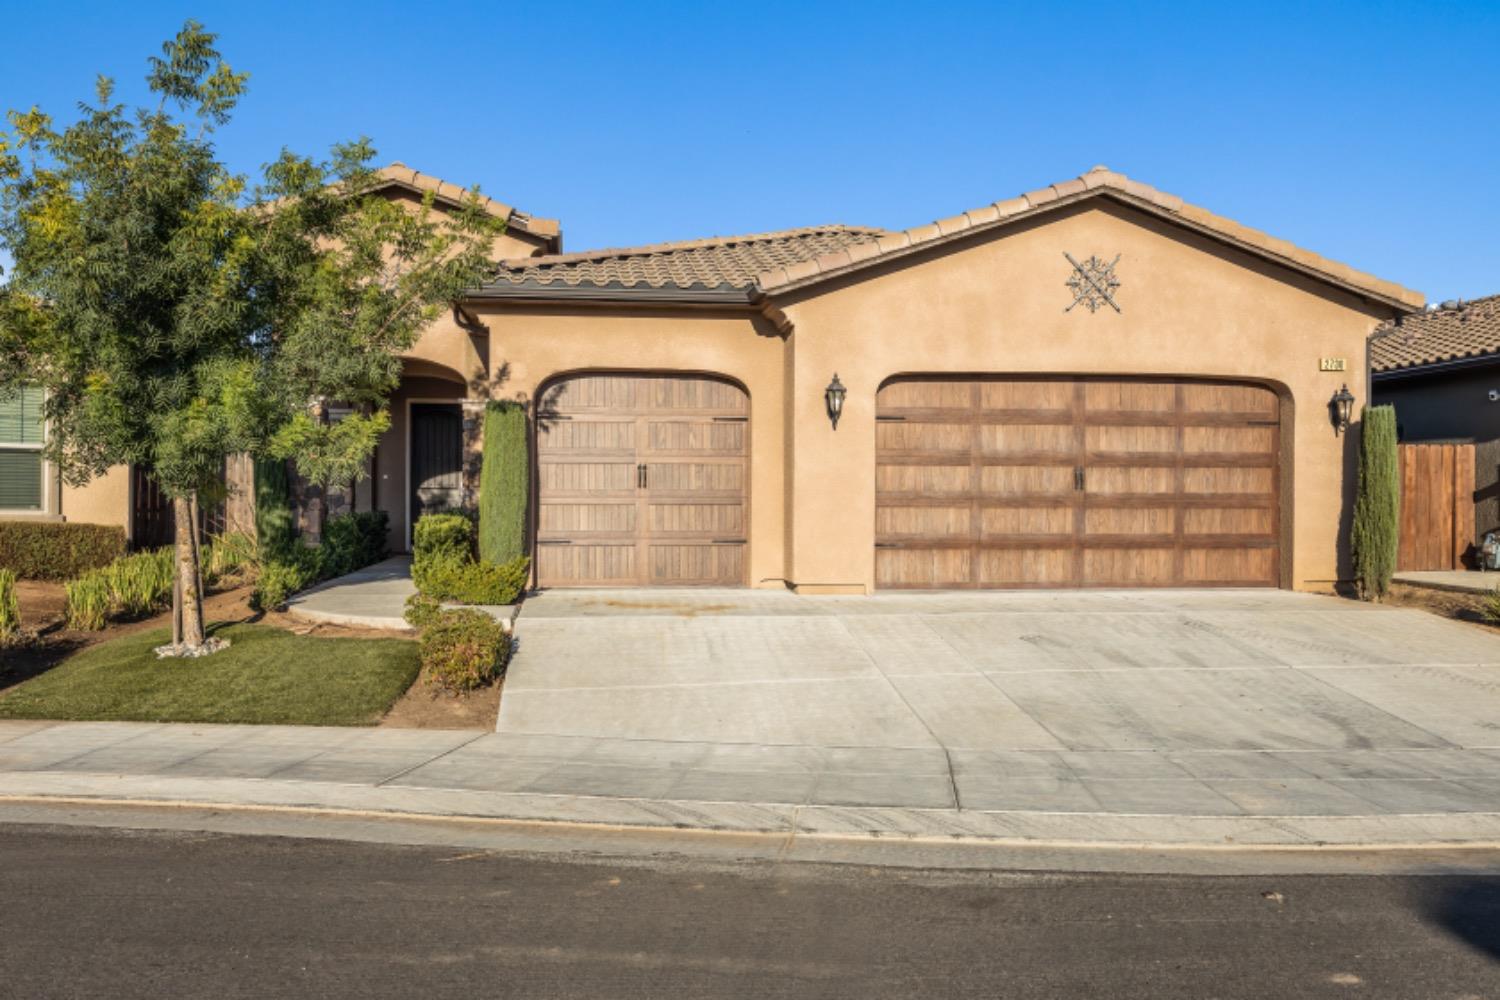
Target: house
1094, 384
1440, 368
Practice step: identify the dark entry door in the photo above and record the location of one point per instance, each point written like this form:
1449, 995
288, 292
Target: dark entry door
437, 444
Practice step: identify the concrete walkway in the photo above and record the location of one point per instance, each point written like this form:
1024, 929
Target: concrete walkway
1106, 798
373, 597
1462, 580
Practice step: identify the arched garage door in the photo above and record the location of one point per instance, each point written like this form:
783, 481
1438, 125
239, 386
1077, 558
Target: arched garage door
641, 480
1075, 482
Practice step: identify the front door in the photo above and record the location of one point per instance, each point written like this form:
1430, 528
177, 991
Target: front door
437, 453
642, 480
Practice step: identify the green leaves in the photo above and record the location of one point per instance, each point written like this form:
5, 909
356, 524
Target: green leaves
191, 73
332, 454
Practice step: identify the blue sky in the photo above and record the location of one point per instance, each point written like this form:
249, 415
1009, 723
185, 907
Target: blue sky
1368, 132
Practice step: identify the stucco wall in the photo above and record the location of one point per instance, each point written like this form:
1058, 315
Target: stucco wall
103, 500
529, 346
1190, 307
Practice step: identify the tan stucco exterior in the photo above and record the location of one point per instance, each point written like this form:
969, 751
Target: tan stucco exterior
995, 304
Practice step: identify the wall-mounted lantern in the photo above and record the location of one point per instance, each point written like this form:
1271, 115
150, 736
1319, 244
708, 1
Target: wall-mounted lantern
1341, 409
833, 396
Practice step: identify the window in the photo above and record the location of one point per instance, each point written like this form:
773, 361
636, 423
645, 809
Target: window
21, 449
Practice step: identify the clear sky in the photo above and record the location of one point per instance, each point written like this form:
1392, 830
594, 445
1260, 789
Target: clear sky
1368, 132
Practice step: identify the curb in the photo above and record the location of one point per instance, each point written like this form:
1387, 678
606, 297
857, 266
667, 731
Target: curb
890, 825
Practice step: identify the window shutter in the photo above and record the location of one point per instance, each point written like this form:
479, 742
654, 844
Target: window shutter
20, 480
21, 416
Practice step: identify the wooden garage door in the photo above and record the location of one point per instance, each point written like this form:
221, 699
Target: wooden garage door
1077, 482
642, 480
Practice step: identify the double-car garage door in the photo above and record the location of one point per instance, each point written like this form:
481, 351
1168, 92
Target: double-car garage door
1078, 482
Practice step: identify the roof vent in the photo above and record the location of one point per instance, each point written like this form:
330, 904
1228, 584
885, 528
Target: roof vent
1452, 303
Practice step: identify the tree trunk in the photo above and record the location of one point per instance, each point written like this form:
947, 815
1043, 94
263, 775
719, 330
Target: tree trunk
187, 572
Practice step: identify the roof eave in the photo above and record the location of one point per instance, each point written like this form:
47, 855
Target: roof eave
1435, 367
940, 238
536, 291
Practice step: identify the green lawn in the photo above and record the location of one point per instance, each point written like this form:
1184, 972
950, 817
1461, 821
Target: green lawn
266, 676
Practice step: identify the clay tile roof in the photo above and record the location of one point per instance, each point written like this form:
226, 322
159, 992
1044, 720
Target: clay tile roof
1098, 181
399, 174
721, 262
1454, 331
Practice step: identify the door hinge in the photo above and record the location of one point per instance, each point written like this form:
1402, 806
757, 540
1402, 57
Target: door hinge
728, 541
731, 420
554, 541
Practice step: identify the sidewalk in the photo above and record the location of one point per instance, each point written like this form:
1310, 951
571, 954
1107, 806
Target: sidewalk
1111, 798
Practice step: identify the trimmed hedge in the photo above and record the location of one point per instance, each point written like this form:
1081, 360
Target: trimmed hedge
350, 542
503, 484
53, 550
444, 568
1376, 534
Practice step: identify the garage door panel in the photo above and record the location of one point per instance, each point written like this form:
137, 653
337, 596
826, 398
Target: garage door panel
1129, 567
1076, 482
1001, 522
1059, 440
926, 521
1228, 567
600, 565
1027, 567
927, 480
642, 479
923, 568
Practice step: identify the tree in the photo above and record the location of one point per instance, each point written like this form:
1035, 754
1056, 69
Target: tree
174, 316
1376, 534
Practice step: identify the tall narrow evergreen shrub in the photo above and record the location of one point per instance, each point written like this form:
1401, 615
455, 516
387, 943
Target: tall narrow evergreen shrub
503, 484
273, 505
1377, 509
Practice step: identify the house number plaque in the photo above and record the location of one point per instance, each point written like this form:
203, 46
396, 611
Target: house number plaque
1331, 364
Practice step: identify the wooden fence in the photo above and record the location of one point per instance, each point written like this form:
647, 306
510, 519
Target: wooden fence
1437, 506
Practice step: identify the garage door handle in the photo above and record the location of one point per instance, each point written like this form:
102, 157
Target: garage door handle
1078, 478
640, 476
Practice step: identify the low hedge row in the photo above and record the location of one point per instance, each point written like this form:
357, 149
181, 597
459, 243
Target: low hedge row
444, 568
58, 550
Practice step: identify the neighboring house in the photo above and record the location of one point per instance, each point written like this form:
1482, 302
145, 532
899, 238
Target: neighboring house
129, 496
1094, 384
1440, 368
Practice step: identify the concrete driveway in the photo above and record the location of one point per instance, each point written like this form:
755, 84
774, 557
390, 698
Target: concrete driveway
1017, 671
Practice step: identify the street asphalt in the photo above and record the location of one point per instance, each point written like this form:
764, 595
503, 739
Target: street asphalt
114, 913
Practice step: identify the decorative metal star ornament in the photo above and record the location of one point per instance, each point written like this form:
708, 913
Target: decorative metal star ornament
1093, 283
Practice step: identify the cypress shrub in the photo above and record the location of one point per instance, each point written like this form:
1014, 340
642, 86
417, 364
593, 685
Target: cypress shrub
1377, 509
503, 484
273, 506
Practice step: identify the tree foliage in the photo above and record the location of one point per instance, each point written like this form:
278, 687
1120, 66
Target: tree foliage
1377, 508
175, 314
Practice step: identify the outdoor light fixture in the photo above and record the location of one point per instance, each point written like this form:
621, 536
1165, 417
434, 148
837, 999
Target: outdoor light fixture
834, 397
1341, 406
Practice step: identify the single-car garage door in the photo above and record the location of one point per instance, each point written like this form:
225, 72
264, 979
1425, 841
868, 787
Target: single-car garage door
1076, 482
641, 480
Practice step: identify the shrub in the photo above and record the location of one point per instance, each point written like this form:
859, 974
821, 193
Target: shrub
1377, 507
273, 506
49, 550
10, 608
438, 537
284, 574
88, 602
472, 582
421, 611
503, 484
354, 541
463, 649
139, 584
230, 554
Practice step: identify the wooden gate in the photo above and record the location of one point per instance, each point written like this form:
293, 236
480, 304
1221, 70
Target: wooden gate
1437, 506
